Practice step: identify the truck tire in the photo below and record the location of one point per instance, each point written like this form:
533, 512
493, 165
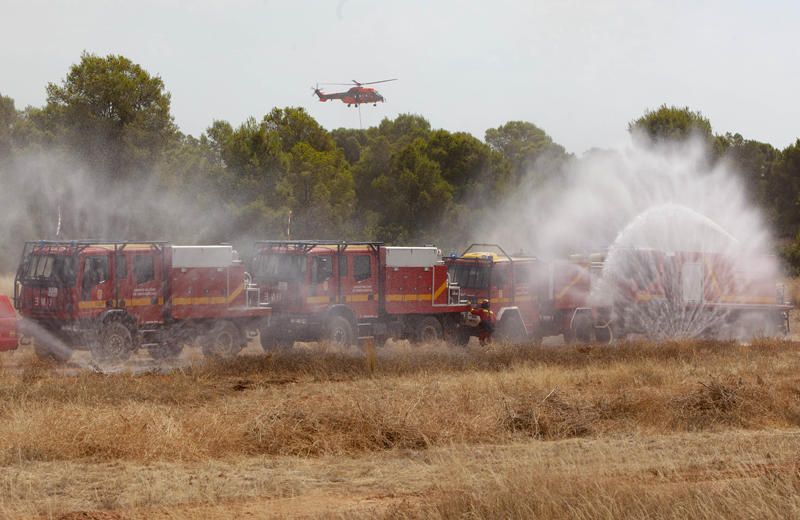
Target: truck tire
271, 343
462, 336
603, 334
166, 350
339, 331
428, 329
114, 343
582, 328
51, 351
224, 340
511, 329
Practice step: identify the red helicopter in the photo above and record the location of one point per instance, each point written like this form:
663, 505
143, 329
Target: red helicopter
356, 95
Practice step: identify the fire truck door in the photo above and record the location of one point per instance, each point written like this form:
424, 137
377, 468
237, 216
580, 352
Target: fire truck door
322, 291
363, 297
95, 287
146, 295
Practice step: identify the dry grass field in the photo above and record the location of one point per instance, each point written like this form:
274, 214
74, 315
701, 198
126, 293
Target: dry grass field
637, 430
674, 430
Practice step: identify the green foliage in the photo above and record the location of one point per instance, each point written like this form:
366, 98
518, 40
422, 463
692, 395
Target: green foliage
351, 141
8, 116
293, 126
113, 112
531, 152
284, 174
790, 254
754, 161
670, 123
783, 191
319, 191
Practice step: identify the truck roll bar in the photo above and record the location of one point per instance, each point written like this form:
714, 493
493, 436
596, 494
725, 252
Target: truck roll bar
496, 246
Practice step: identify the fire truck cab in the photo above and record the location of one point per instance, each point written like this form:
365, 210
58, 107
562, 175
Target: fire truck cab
340, 291
114, 297
531, 298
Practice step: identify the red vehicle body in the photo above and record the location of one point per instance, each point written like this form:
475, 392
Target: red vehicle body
531, 298
356, 95
711, 294
8, 325
342, 291
117, 296
651, 293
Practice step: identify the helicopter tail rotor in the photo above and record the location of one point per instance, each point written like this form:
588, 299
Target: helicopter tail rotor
317, 92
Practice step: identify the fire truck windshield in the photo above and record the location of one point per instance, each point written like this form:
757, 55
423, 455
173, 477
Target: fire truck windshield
54, 268
470, 275
280, 267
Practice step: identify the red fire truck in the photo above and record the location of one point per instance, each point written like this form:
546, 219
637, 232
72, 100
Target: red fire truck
645, 292
531, 298
114, 297
686, 293
8, 325
340, 291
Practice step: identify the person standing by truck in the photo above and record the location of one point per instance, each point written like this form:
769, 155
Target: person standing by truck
487, 323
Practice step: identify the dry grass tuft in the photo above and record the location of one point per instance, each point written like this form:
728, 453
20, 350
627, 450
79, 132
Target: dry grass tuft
549, 418
522, 493
314, 404
721, 401
324, 405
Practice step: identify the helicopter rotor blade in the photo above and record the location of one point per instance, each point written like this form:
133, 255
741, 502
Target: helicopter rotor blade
381, 81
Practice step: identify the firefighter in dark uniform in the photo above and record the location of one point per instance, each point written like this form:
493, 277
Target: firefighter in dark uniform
486, 326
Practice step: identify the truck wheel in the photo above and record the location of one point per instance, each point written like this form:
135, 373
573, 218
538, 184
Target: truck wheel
428, 330
582, 328
223, 341
114, 343
51, 350
511, 330
603, 334
339, 331
271, 343
460, 336
166, 350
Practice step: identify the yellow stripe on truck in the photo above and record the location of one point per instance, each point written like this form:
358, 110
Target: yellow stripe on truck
407, 297
134, 302
209, 300
743, 298
141, 302
94, 304
440, 290
317, 299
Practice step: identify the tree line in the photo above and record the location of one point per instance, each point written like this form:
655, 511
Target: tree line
284, 175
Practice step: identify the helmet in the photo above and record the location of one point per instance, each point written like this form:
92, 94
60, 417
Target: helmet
484, 304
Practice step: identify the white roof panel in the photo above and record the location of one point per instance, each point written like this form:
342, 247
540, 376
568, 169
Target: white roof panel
202, 256
412, 256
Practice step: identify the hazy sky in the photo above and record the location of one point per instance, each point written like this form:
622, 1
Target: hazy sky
579, 70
